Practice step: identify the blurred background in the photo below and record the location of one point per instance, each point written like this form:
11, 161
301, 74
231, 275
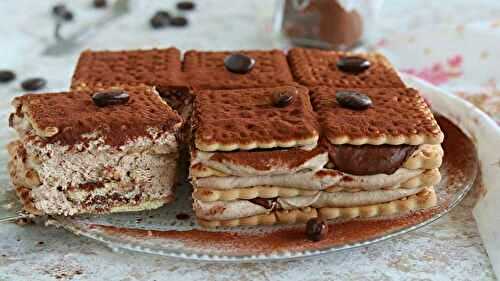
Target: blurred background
448, 43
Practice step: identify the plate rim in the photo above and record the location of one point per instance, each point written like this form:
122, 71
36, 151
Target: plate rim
300, 254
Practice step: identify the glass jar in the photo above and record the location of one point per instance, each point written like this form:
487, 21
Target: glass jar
327, 24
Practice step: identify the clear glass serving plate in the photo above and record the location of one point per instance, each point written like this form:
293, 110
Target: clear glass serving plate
172, 230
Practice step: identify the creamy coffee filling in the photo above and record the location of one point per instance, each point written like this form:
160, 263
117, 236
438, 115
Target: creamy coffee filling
319, 180
261, 163
54, 173
224, 210
256, 163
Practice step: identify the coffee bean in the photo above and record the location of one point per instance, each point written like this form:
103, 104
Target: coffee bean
316, 229
164, 14
67, 16
178, 21
100, 3
239, 63
353, 100
7, 76
59, 9
33, 84
158, 22
282, 99
353, 64
160, 19
110, 97
62, 12
186, 5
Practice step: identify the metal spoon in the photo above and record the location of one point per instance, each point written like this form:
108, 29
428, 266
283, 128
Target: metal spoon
65, 45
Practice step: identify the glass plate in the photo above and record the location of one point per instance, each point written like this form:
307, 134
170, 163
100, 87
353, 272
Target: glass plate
172, 230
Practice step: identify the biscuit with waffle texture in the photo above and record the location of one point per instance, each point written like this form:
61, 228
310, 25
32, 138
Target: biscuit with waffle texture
312, 67
71, 117
206, 70
101, 69
425, 199
245, 119
397, 116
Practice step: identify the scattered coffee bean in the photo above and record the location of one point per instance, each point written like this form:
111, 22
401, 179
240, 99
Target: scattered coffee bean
353, 100
282, 99
33, 84
160, 19
353, 64
164, 14
182, 216
40, 243
316, 229
58, 9
62, 12
186, 5
239, 63
7, 76
110, 97
100, 3
178, 21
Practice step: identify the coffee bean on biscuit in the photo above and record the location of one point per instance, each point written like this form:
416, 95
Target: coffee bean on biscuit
353, 100
110, 97
353, 64
239, 63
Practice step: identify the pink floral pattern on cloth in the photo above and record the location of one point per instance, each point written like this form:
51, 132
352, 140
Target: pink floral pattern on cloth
439, 73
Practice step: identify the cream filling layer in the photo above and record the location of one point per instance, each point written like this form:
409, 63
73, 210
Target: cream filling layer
315, 163
427, 156
225, 210
319, 180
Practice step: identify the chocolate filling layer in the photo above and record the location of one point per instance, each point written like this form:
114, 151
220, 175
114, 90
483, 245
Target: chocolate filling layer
369, 159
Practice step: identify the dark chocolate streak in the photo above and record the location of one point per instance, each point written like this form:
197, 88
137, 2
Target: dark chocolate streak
369, 159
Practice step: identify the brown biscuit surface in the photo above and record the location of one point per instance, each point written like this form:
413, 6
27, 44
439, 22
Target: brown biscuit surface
156, 67
312, 67
247, 119
66, 117
206, 70
397, 116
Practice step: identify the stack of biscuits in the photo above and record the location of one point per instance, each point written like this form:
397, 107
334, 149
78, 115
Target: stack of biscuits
269, 137
288, 154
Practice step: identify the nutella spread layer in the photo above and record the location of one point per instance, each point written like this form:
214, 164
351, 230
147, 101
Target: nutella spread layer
369, 159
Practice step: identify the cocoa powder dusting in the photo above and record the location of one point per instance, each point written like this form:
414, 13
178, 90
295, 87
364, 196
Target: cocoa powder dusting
459, 154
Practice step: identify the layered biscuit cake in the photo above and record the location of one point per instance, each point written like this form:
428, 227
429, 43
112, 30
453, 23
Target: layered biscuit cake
76, 155
255, 161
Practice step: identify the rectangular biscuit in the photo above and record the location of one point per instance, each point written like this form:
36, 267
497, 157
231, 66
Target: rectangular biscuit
397, 116
160, 68
206, 70
246, 119
428, 178
422, 200
313, 67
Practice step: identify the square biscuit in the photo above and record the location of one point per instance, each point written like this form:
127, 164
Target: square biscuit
206, 70
71, 117
245, 119
397, 116
312, 67
160, 68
